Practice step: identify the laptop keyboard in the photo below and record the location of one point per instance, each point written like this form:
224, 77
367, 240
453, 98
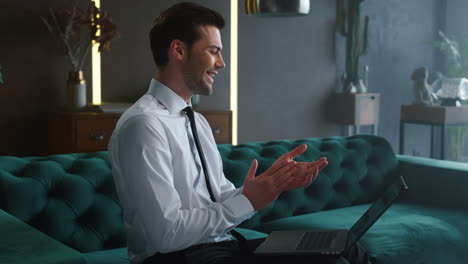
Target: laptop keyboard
316, 240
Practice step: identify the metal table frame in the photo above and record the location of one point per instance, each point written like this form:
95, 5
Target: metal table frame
443, 129
442, 122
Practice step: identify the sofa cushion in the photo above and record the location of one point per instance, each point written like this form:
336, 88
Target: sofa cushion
112, 256
70, 197
250, 234
440, 183
22, 244
404, 234
359, 168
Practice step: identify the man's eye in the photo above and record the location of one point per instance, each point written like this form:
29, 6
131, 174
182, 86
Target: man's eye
213, 52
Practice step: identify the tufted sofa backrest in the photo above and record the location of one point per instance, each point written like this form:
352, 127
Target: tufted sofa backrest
70, 197
359, 168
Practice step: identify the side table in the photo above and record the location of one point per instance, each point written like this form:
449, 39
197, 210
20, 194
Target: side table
434, 116
356, 110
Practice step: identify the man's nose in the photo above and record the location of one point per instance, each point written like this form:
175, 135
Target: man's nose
220, 62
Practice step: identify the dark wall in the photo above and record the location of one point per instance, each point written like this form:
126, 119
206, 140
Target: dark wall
287, 67
457, 20
286, 72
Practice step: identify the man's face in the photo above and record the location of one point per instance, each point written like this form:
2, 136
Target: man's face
204, 60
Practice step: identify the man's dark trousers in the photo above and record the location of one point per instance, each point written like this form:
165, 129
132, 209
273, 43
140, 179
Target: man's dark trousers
230, 252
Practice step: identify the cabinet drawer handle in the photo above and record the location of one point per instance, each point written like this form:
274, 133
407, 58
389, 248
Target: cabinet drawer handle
216, 130
96, 137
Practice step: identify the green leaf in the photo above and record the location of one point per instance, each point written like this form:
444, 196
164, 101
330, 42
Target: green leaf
1, 75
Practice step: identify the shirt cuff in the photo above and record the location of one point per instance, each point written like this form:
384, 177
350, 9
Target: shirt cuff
241, 207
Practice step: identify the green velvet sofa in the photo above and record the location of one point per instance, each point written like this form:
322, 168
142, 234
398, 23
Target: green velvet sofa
64, 208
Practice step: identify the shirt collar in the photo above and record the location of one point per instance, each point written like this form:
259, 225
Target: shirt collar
172, 101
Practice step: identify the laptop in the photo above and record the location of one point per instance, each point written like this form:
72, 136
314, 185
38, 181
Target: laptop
329, 241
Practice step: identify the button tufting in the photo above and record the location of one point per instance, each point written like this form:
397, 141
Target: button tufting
357, 168
346, 163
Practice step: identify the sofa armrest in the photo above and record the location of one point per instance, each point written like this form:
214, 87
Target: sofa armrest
431, 182
21, 243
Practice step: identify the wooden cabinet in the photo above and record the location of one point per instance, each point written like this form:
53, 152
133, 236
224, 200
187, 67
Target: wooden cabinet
72, 132
75, 132
221, 124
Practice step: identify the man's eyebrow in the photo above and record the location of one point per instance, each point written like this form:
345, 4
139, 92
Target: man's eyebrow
215, 47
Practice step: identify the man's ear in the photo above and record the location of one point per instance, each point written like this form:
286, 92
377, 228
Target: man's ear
178, 49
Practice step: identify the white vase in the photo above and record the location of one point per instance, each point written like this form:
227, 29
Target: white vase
76, 91
361, 87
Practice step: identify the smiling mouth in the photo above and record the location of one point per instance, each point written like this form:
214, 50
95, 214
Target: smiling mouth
211, 75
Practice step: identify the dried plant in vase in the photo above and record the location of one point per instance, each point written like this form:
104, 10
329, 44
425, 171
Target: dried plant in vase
77, 29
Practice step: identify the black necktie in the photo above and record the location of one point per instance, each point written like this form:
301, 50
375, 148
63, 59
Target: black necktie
189, 112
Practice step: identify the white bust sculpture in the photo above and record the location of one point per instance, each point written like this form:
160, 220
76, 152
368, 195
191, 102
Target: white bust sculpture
422, 91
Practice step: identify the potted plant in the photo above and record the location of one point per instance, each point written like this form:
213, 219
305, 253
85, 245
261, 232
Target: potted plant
349, 26
77, 29
455, 53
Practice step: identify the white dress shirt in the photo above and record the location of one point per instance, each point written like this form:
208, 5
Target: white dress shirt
160, 181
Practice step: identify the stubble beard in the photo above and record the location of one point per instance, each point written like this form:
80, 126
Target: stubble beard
197, 86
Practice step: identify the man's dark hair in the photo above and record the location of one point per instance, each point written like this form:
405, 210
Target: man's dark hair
181, 22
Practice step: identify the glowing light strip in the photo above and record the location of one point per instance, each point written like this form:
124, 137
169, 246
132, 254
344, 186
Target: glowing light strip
96, 66
234, 47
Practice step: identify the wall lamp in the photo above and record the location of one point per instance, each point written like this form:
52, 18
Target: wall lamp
277, 7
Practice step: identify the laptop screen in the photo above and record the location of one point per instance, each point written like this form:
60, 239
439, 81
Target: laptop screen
375, 211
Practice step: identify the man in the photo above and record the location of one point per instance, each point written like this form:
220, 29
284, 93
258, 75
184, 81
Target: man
177, 204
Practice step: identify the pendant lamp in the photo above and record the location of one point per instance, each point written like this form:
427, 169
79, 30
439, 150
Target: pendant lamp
277, 7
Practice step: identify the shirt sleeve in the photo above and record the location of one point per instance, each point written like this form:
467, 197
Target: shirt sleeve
228, 190
145, 166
